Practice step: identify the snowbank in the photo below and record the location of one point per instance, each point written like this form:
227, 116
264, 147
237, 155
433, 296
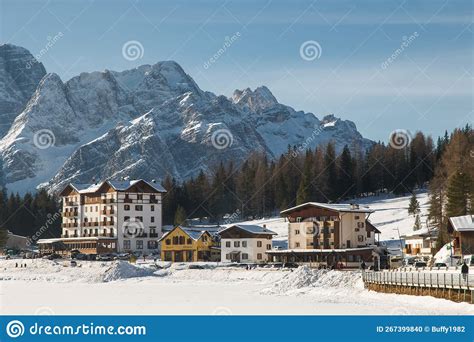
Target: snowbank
304, 279
120, 270
444, 254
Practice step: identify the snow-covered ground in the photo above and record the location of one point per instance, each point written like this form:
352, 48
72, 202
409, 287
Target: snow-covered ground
391, 212
48, 287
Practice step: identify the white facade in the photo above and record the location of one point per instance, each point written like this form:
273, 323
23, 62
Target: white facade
245, 243
250, 250
125, 212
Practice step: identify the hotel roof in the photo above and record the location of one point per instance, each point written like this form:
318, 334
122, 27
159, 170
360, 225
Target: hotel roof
355, 208
253, 229
116, 185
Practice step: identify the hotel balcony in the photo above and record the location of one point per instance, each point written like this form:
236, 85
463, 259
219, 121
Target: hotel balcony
108, 212
70, 213
71, 204
108, 200
69, 225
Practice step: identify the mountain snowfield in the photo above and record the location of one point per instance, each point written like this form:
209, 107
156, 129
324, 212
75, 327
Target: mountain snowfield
145, 122
391, 213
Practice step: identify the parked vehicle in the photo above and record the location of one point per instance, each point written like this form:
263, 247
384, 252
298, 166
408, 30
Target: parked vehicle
195, 267
73, 263
440, 264
419, 264
79, 256
105, 257
123, 256
52, 256
290, 265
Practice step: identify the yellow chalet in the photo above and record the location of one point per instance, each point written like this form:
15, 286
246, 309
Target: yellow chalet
183, 244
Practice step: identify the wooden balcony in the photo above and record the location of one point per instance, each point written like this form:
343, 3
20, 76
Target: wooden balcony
70, 213
108, 200
108, 212
69, 225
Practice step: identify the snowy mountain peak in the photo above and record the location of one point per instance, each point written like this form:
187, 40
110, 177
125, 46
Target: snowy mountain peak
258, 100
20, 74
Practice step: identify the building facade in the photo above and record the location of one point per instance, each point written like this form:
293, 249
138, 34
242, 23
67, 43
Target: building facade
245, 243
461, 229
113, 216
328, 234
183, 244
420, 243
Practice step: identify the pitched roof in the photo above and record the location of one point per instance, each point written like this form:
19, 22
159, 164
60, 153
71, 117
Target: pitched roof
355, 208
253, 229
462, 223
193, 233
122, 185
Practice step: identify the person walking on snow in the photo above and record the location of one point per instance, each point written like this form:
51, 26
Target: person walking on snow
464, 271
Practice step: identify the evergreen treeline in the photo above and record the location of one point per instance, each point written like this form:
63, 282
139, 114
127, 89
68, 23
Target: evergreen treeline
261, 187
26, 215
452, 187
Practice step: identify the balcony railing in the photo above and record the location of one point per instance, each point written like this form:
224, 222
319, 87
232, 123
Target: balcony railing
70, 213
108, 200
71, 204
108, 212
69, 225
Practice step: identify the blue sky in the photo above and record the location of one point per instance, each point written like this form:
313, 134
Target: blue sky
426, 85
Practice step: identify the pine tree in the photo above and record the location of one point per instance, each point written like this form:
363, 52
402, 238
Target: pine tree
3, 237
417, 225
414, 206
180, 216
458, 194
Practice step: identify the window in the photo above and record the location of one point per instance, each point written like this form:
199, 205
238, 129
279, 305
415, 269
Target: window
227, 244
153, 219
356, 217
126, 196
96, 208
181, 240
152, 208
297, 244
140, 197
126, 244
152, 245
85, 209
360, 238
189, 241
259, 243
297, 232
236, 243
175, 240
245, 256
227, 256
139, 218
244, 243
360, 224
269, 246
126, 207
259, 256
126, 218
139, 207
168, 242
298, 219
139, 244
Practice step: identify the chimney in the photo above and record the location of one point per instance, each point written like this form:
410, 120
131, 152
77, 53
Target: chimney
264, 226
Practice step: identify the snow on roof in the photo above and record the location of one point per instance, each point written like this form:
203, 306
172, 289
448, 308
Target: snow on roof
254, 229
192, 232
336, 207
422, 232
117, 185
462, 223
